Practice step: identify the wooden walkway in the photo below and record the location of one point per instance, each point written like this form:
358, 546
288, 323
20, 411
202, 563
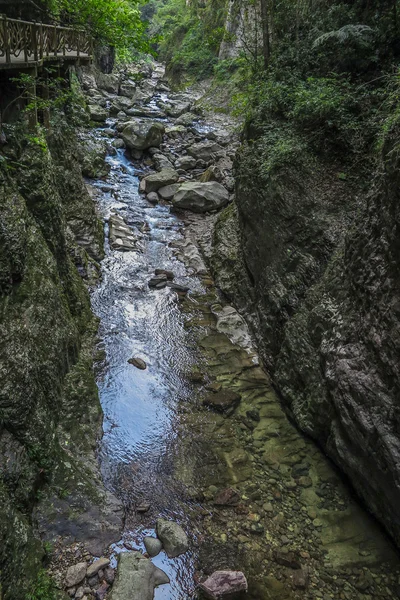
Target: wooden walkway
25, 44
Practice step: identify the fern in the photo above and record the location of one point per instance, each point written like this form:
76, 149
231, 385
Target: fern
344, 35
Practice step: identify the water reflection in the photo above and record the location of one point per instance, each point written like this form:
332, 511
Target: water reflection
140, 441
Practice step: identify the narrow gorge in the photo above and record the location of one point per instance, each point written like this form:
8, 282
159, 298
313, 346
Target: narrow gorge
199, 301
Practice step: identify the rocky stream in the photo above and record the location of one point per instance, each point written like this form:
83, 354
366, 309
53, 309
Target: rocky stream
211, 473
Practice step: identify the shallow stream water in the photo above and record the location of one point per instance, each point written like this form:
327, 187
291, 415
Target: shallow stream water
162, 448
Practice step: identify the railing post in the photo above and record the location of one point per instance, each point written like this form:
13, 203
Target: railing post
55, 40
34, 31
6, 40
78, 37
41, 40
26, 39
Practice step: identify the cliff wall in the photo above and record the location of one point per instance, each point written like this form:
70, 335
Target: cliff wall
312, 260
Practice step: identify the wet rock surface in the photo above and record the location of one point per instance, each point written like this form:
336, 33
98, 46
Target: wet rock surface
136, 578
173, 537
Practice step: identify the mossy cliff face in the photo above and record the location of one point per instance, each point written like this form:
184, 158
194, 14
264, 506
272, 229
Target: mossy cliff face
314, 263
46, 336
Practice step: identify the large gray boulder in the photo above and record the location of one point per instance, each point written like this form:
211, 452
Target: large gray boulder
206, 151
201, 197
136, 578
97, 113
139, 135
155, 181
173, 538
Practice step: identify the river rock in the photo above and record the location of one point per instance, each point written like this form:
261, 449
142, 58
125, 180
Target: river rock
97, 113
186, 119
206, 151
155, 181
153, 546
168, 274
138, 363
162, 162
120, 234
152, 197
96, 566
75, 574
185, 162
158, 282
223, 584
139, 135
136, 578
201, 197
128, 88
168, 191
227, 497
222, 401
173, 538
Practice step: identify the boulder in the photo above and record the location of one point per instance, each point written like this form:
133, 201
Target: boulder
153, 546
152, 197
138, 363
75, 574
139, 135
155, 181
186, 119
168, 191
162, 162
185, 162
136, 578
128, 88
206, 151
97, 113
201, 197
173, 538
222, 401
224, 584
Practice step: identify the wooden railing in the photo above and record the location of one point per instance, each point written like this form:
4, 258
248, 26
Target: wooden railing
24, 41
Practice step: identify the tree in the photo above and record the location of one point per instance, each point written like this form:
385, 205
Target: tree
114, 22
265, 32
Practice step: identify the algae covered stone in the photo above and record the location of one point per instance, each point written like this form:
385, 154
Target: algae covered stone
136, 578
173, 538
139, 135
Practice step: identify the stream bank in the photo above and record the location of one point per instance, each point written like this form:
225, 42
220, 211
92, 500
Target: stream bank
249, 490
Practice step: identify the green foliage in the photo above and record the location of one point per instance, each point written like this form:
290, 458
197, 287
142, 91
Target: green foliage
114, 22
189, 36
358, 35
43, 589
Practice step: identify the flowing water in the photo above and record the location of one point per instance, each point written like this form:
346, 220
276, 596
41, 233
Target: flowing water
162, 448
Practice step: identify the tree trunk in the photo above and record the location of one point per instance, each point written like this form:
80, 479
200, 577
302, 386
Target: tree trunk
265, 32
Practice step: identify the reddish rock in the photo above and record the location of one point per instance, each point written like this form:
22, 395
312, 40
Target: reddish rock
102, 591
227, 497
222, 584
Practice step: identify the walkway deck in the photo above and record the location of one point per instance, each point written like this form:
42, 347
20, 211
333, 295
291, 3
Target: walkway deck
25, 44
